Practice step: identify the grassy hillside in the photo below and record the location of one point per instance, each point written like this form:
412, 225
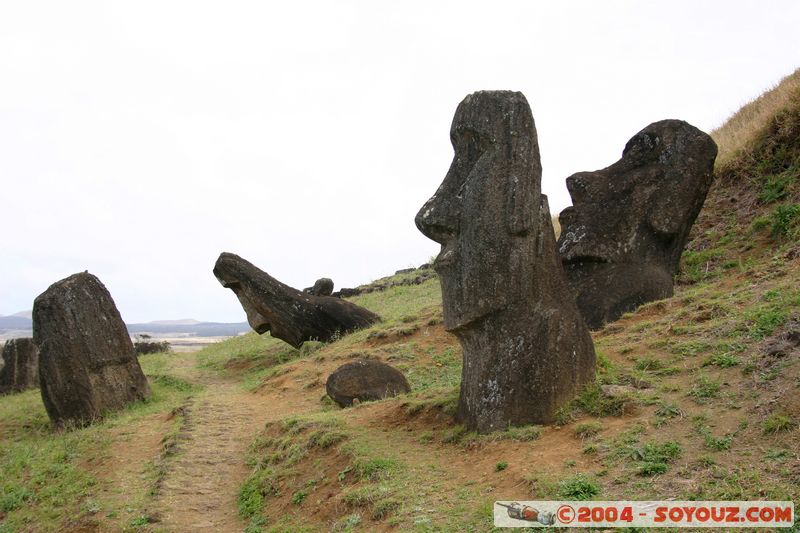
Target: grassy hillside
708, 413
709, 406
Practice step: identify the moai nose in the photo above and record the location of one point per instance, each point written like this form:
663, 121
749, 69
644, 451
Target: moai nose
437, 219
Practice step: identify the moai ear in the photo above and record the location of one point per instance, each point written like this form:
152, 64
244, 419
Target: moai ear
666, 216
524, 171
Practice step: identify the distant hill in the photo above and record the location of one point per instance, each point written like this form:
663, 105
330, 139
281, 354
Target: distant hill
179, 322
15, 322
191, 327
21, 325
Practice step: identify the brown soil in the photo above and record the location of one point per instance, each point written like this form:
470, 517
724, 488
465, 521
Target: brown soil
197, 488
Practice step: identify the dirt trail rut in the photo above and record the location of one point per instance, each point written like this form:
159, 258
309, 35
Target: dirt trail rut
198, 492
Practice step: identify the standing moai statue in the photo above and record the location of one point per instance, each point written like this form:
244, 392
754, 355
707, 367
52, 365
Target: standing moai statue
87, 365
20, 369
621, 241
526, 348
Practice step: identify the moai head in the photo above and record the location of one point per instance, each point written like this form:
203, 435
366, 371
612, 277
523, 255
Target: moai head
622, 239
526, 348
488, 199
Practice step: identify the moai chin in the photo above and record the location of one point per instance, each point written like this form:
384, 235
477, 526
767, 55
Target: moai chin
622, 239
526, 348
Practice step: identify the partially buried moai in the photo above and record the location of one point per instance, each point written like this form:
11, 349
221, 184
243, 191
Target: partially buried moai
526, 348
87, 366
20, 368
622, 239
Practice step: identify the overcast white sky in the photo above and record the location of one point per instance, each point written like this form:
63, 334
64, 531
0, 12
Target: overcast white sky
139, 140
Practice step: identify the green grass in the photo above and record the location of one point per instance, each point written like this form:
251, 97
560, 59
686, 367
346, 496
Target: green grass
584, 430
723, 360
592, 401
518, 433
251, 356
653, 457
785, 221
702, 265
776, 423
44, 482
737, 288
704, 389
578, 487
776, 186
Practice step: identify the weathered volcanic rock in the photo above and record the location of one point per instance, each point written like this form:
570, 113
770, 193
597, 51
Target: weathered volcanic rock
621, 241
526, 348
287, 313
423, 274
87, 365
365, 380
322, 287
20, 370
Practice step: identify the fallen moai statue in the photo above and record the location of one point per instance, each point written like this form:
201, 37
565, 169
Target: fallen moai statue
20, 370
365, 380
526, 348
288, 314
87, 365
622, 239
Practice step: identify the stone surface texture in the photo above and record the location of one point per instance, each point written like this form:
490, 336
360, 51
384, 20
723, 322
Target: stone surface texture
365, 380
87, 365
526, 348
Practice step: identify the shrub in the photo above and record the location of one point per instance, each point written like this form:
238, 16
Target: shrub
585, 430
578, 487
776, 423
775, 186
669, 410
722, 360
144, 345
593, 401
653, 457
718, 443
785, 220
378, 468
704, 388
520, 433
384, 507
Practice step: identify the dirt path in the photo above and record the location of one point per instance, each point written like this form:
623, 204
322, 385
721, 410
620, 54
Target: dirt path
199, 490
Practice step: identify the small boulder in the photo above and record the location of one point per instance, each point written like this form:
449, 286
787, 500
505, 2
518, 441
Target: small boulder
322, 287
87, 365
20, 369
365, 380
